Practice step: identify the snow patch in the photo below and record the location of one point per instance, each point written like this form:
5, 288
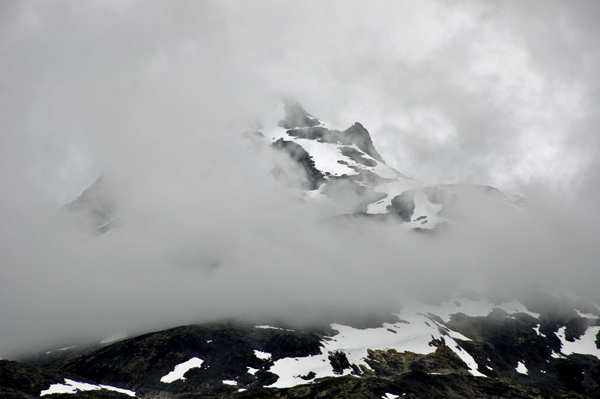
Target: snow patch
274, 328
586, 315
585, 345
425, 213
121, 390
181, 369
521, 368
413, 334
290, 370
262, 355
326, 156
229, 382
516, 307
71, 386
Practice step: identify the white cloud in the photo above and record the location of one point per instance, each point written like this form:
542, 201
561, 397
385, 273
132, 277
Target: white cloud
154, 94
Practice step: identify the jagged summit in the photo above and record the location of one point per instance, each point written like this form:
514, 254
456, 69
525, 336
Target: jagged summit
301, 124
344, 167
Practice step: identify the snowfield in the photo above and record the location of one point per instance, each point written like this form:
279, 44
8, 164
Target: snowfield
181, 369
413, 334
71, 386
585, 345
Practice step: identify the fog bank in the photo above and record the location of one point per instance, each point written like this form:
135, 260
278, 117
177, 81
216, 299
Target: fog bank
155, 97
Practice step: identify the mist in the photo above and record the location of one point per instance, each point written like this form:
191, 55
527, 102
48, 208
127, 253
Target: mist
155, 97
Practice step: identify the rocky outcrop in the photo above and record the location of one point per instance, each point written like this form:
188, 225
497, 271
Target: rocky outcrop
403, 205
390, 362
310, 178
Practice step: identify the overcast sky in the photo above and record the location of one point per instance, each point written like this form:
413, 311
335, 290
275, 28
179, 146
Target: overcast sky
154, 95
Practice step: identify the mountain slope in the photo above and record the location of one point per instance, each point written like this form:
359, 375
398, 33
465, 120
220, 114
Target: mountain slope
472, 345
460, 348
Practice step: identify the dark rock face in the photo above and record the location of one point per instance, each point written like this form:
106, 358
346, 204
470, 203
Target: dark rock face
339, 362
292, 344
357, 157
358, 135
403, 205
305, 163
391, 362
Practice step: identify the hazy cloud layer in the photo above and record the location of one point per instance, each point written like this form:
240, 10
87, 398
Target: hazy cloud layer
154, 96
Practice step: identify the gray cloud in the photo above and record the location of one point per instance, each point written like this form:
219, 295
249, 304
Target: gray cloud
155, 96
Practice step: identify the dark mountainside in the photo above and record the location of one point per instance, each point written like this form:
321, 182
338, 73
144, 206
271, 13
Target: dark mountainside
229, 353
515, 348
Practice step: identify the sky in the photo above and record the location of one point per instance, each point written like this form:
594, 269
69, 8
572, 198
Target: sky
154, 95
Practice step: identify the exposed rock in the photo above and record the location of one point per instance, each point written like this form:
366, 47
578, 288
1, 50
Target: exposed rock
339, 362
356, 156
391, 362
310, 177
403, 205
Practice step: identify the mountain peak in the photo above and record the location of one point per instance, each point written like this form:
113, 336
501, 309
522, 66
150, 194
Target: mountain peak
360, 136
296, 116
344, 167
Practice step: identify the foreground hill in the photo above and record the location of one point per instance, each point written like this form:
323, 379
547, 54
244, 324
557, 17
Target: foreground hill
460, 348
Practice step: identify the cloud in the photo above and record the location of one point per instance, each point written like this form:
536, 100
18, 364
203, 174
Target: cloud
155, 96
